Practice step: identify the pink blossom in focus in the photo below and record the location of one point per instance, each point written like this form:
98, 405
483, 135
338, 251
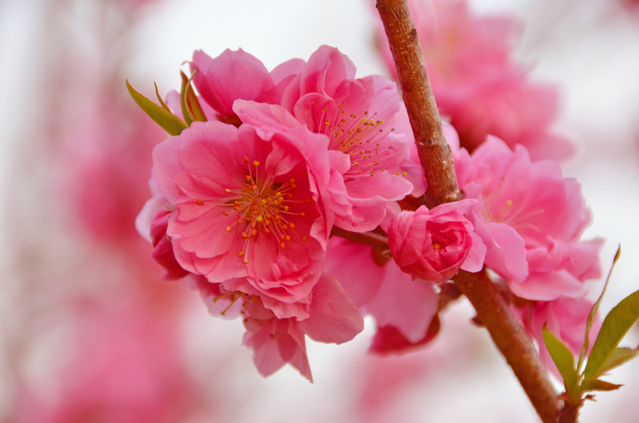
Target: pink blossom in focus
477, 83
433, 245
238, 75
247, 210
358, 117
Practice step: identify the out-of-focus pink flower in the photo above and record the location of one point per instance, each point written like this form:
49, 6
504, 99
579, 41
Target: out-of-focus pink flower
433, 245
513, 109
333, 318
477, 83
248, 212
531, 219
124, 366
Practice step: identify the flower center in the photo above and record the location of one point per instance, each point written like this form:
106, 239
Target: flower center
264, 206
361, 137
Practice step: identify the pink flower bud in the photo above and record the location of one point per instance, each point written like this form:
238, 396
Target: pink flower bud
434, 245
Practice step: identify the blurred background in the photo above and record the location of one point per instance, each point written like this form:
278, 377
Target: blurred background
89, 332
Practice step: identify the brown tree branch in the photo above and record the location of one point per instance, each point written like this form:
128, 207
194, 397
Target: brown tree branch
506, 331
512, 340
434, 152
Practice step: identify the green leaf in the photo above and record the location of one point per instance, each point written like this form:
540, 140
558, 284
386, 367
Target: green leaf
163, 117
598, 385
565, 362
618, 357
615, 326
191, 108
157, 93
193, 102
593, 312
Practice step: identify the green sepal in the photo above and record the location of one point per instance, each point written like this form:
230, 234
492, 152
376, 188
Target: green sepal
615, 326
565, 362
191, 108
163, 117
618, 357
598, 385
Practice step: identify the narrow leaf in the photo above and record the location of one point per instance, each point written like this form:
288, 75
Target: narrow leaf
619, 357
598, 385
564, 360
157, 93
188, 117
615, 326
593, 312
167, 120
192, 101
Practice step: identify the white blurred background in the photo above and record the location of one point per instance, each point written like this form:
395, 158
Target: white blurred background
63, 109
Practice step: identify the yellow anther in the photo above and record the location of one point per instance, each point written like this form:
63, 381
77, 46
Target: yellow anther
228, 229
260, 218
240, 253
256, 163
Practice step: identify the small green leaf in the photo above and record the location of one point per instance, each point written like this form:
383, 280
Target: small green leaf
618, 357
188, 117
598, 385
615, 326
593, 312
191, 100
565, 362
157, 93
167, 120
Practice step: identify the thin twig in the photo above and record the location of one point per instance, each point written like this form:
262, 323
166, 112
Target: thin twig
434, 152
512, 340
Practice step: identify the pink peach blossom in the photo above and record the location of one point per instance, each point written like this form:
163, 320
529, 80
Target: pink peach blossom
433, 245
357, 115
238, 75
247, 210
